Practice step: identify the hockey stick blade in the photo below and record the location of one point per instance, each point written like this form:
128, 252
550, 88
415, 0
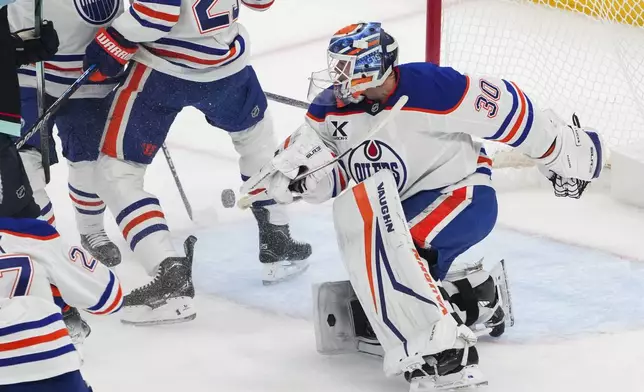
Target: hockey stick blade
260, 193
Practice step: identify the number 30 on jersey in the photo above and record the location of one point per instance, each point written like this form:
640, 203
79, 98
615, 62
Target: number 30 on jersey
212, 15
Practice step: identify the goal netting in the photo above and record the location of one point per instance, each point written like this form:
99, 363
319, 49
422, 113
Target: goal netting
574, 56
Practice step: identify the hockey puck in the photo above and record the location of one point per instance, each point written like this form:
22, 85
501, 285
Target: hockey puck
228, 198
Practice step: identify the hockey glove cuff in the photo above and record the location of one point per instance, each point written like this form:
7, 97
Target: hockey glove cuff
32, 49
110, 51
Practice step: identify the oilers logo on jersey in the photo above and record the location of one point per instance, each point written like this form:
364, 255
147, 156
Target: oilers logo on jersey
374, 155
97, 12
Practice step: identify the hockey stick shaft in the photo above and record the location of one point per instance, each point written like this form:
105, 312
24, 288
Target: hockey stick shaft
260, 193
40, 123
287, 101
40, 94
177, 181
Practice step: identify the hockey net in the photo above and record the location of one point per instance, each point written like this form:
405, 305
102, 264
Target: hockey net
574, 56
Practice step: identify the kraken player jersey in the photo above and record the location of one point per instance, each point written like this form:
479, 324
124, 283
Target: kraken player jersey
429, 144
76, 22
38, 276
198, 40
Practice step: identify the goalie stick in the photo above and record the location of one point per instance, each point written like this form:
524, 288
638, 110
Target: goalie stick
254, 194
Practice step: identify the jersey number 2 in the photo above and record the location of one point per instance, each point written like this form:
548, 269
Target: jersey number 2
16, 274
214, 15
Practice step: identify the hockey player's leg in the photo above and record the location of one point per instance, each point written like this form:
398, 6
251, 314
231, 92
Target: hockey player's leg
80, 126
30, 154
444, 226
32, 161
244, 117
142, 109
401, 300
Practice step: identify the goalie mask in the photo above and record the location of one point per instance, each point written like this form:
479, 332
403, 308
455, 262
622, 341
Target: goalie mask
359, 57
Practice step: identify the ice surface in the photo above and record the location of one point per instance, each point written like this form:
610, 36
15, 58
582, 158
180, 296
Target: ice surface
576, 267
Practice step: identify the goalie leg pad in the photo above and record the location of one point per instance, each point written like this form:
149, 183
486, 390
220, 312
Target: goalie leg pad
400, 298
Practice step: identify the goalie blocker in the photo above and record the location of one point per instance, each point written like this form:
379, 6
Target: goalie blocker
401, 301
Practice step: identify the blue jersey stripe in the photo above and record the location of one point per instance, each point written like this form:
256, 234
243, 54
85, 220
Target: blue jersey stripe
145, 23
528, 127
146, 232
46, 209
484, 170
335, 184
31, 324
90, 212
32, 227
84, 194
135, 206
508, 119
35, 357
176, 3
105, 296
67, 57
65, 80
195, 47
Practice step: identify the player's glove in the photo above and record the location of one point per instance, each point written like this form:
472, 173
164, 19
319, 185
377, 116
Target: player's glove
303, 151
110, 51
576, 158
32, 49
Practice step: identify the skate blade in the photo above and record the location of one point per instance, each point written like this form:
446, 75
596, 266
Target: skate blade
469, 378
288, 277
176, 310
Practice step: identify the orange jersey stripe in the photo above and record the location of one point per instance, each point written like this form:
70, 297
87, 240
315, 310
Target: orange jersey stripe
182, 56
483, 159
114, 304
421, 230
155, 14
28, 342
86, 203
517, 125
139, 219
360, 195
121, 102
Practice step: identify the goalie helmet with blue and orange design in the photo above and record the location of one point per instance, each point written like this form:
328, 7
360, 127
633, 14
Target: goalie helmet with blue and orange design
360, 56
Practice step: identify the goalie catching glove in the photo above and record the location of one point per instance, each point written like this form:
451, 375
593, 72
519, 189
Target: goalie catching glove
302, 151
575, 158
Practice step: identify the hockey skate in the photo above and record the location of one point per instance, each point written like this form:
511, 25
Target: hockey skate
281, 256
450, 370
488, 306
168, 298
102, 248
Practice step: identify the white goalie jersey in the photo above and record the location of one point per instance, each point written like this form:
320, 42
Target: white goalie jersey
429, 145
39, 275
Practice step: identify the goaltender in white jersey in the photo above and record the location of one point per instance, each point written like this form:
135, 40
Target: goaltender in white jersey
424, 197
39, 274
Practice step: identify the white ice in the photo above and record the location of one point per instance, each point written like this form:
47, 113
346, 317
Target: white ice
576, 266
